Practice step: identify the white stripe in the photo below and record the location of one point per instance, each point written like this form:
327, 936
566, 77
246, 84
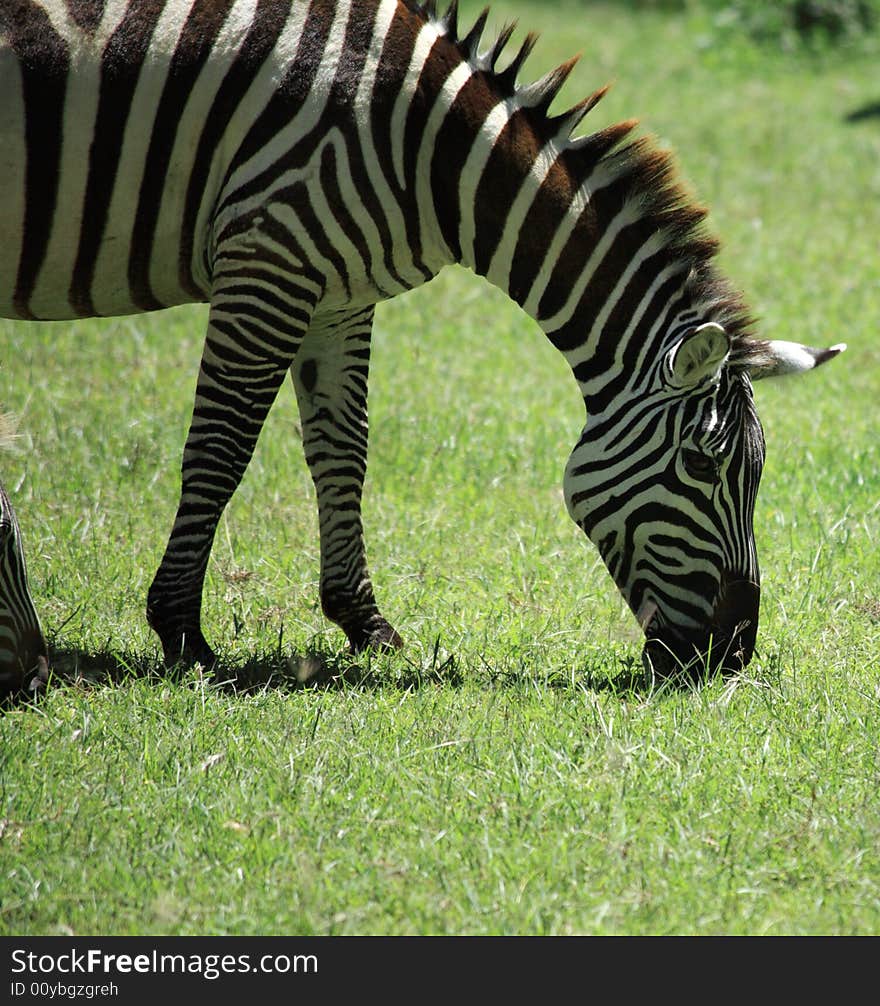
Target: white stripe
628, 215
472, 171
602, 176
286, 216
363, 104
62, 22
230, 38
421, 51
502, 259
332, 231
583, 352
50, 294
431, 234
261, 91
112, 261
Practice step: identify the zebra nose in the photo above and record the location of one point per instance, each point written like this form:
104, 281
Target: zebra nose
735, 620
726, 647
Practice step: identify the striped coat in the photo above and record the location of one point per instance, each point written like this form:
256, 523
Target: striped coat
292, 164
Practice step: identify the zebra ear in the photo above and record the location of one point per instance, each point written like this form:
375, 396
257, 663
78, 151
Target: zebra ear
698, 355
778, 358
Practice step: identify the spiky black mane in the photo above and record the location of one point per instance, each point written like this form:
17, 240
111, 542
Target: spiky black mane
650, 172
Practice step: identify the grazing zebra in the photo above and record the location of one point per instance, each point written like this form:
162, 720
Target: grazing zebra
23, 651
294, 163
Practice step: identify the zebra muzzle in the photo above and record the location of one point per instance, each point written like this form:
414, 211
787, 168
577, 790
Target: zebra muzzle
726, 646
735, 618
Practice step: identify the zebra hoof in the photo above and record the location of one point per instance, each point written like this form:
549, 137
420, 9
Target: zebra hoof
381, 637
188, 650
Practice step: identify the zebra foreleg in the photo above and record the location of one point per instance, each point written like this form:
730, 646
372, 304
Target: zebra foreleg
330, 376
234, 393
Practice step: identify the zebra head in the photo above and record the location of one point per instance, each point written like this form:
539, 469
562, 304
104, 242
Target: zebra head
663, 481
23, 653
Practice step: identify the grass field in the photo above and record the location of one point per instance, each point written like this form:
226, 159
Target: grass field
505, 773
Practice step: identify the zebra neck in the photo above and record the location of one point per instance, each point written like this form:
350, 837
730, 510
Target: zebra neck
571, 240
590, 237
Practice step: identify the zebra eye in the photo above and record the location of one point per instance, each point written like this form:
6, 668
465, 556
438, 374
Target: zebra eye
702, 467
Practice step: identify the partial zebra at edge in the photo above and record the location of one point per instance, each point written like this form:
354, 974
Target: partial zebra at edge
24, 654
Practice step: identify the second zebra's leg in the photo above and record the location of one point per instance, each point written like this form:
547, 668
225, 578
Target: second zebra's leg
330, 376
238, 381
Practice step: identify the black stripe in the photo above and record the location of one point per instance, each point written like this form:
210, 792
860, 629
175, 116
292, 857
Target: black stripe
297, 195
397, 48
45, 61
657, 308
440, 63
342, 216
454, 142
501, 181
262, 36
120, 68
545, 216
396, 55
289, 97
358, 37
603, 207
87, 13
194, 46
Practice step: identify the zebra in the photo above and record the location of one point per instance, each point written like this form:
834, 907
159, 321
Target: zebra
293, 163
24, 655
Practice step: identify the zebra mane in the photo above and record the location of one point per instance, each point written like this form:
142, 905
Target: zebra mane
652, 172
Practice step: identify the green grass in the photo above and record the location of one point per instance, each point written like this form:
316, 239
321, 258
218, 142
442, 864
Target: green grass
505, 774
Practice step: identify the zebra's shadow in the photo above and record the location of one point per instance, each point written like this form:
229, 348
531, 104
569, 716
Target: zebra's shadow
291, 672
324, 669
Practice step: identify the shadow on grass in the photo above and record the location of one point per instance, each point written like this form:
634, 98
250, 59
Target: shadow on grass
629, 682
340, 670
76, 667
